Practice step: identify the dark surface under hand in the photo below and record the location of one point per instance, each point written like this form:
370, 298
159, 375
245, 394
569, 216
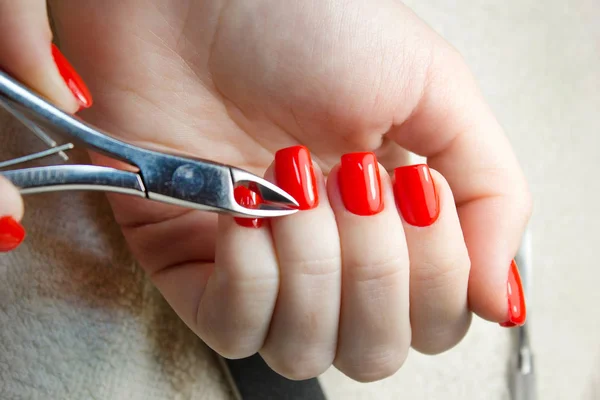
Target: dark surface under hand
254, 380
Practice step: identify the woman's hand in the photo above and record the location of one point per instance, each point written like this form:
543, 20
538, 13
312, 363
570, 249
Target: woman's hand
352, 280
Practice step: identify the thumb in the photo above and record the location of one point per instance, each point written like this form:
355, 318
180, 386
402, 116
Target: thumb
27, 53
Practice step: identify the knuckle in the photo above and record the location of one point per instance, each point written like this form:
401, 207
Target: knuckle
235, 353
441, 272
374, 365
230, 339
242, 277
302, 365
234, 347
318, 267
434, 338
376, 271
440, 317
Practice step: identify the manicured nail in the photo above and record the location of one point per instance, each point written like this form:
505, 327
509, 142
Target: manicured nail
249, 199
360, 184
416, 195
517, 310
12, 234
72, 79
295, 174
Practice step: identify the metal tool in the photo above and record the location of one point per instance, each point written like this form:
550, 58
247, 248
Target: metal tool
521, 369
168, 178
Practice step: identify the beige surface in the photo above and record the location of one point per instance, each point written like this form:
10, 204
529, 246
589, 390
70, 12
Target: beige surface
539, 65
78, 321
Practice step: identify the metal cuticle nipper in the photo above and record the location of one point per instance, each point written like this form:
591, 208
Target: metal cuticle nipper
183, 181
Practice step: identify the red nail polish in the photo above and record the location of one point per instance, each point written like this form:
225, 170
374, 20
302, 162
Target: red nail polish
249, 199
72, 79
517, 310
295, 174
360, 183
416, 195
12, 234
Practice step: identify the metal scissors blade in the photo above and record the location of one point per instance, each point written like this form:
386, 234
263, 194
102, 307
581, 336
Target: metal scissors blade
174, 179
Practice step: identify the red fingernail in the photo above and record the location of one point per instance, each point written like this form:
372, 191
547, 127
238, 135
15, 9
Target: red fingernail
249, 199
360, 184
295, 174
12, 234
517, 310
72, 79
416, 195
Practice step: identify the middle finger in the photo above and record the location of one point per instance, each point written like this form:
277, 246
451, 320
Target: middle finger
302, 339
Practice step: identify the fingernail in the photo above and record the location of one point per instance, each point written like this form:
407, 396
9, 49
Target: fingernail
517, 310
72, 79
249, 199
295, 174
12, 234
360, 184
416, 195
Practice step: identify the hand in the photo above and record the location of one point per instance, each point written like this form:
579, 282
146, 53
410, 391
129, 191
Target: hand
237, 81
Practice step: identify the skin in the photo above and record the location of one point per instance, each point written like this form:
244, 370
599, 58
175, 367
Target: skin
234, 81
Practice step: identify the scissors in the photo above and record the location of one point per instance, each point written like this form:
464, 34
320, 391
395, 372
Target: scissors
168, 178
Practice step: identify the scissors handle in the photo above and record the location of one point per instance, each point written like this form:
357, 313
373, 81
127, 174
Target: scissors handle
33, 107
523, 385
